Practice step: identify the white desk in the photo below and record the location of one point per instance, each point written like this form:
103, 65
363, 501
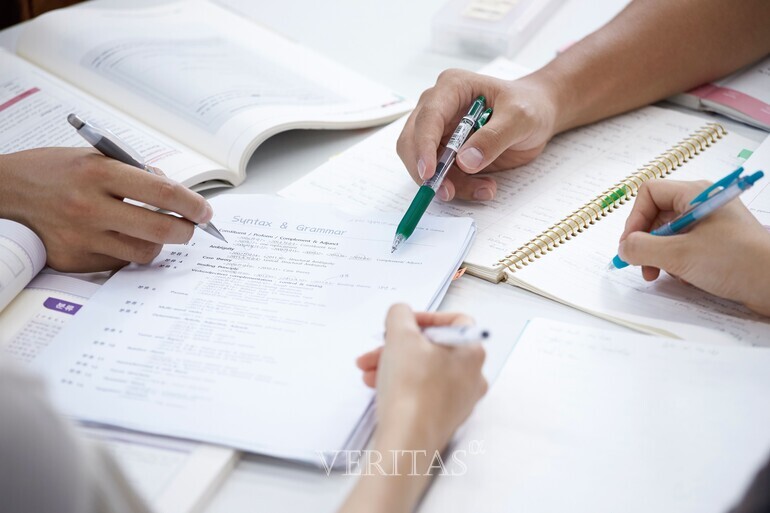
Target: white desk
387, 41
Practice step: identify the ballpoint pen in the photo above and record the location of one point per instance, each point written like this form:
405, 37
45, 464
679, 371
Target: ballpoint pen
705, 204
476, 118
455, 335
111, 146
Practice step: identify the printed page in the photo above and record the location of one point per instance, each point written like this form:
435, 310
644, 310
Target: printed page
22, 256
575, 167
577, 272
193, 70
655, 424
33, 114
31, 322
250, 344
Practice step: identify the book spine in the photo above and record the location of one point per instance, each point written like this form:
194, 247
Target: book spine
582, 218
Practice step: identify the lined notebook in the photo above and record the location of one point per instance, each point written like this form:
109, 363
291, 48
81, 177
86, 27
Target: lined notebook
552, 227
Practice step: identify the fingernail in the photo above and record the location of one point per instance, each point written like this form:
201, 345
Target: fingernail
470, 158
209, 213
483, 194
443, 193
421, 169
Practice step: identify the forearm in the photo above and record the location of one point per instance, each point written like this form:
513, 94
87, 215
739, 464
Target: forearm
651, 50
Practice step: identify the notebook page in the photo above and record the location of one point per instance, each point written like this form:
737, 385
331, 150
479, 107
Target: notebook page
22, 256
205, 76
585, 420
249, 344
575, 167
757, 199
576, 272
33, 114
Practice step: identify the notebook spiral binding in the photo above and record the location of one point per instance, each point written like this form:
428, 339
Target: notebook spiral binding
612, 198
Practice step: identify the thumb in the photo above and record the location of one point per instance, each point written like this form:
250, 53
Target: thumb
488, 143
400, 322
667, 253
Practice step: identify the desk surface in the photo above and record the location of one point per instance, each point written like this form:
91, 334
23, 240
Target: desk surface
391, 47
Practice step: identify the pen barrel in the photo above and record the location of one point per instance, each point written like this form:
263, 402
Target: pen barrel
415, 211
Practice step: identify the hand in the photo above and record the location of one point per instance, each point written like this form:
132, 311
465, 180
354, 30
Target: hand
725, 254
73, 199
522, 123
424, 390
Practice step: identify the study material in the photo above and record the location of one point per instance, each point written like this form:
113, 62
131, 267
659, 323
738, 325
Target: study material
616, 422
550, 228
758, 198
489, 28
705, 204
111, 146
251, 344
455, 335
744, 95
191, 86
22, 256
475, 118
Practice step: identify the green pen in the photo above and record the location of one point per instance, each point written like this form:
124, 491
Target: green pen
475, 119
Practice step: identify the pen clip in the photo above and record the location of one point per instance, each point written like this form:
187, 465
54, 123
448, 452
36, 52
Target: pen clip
722, 184
483, 118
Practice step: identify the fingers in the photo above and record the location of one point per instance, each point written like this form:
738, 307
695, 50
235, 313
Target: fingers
426, 319
657, 198
128, 249
489, 142
437, 114
370, 360
150, 226
158, 191
467, 187
669, 253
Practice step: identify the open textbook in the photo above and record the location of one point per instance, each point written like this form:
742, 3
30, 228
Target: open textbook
192, 86
744, 95
22, 256
551, 229
614, 422
223, 343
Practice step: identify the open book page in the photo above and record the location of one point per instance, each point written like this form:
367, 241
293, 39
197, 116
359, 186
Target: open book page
575, 167
574, 405
576, 272
222, 342
203, 75
22, 256
33, 114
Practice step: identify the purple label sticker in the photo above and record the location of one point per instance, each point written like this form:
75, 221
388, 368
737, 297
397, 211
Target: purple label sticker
60, 305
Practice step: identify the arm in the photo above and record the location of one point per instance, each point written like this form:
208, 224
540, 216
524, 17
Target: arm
653, 49
72, 198
725, 254
424, 392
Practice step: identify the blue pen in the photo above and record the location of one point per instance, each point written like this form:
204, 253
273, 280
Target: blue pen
705, 204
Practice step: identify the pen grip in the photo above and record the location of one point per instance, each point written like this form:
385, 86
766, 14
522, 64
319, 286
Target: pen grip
415, 211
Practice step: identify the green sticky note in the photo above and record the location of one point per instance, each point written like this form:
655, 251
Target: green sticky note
745, 154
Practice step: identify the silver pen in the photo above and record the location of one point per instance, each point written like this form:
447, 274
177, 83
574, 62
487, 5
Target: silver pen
455, 335
111, 146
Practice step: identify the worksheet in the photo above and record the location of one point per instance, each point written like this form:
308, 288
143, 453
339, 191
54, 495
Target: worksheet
251, 343
587, 420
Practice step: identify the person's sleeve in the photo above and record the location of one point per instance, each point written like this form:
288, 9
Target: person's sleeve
44, 466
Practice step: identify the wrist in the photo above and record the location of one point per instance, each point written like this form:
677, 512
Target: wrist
408, 426
557, 100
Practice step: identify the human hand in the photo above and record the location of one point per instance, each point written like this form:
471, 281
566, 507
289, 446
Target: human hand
523, 122
424, 390
73, 199
725, 254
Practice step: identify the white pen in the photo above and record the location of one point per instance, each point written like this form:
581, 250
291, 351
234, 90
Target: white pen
455, 335
110, 145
